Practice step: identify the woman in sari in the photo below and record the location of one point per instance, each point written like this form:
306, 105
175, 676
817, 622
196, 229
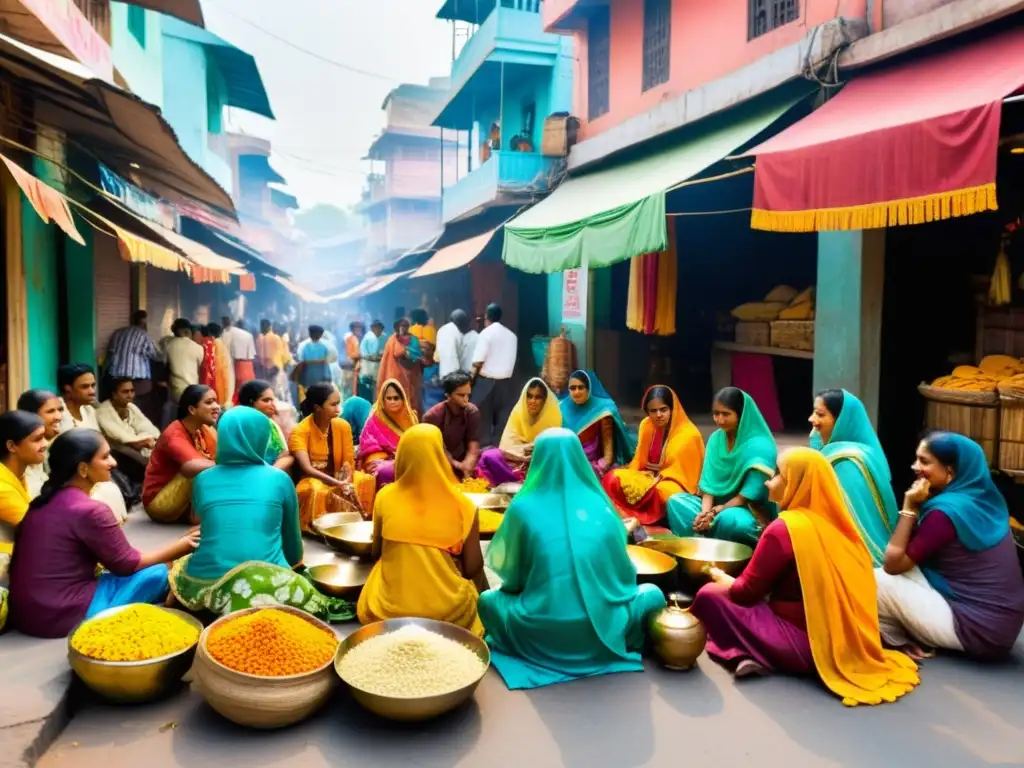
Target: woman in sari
259, 394
843, 433
223, 373
390, 418
323, 450
951, 578
402, 361
250, 542
667, 461
820, 616
356, 411
427, 536
536, 411
186, 448
594, 417
23, 444
731, 501
569, 605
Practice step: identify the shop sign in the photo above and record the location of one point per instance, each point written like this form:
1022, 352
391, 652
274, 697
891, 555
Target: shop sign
145, 205
574, 294
71, 27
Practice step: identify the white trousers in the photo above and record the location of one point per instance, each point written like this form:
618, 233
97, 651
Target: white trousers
911, 610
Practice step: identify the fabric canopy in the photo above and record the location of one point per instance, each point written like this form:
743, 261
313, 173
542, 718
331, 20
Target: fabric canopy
301, 291
916, 142
618, 213
384, 281
455, 256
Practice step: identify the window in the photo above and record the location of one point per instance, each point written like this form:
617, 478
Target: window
599, 58
766, 15
657, 37
137, 23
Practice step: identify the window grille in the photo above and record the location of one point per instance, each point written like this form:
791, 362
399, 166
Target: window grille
765, 15
599, 57
657, 41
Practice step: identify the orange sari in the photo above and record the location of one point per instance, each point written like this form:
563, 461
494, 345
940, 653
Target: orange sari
395, 364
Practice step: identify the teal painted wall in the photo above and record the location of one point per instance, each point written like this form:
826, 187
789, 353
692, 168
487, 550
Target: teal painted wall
81, 298
42, 294
141, 66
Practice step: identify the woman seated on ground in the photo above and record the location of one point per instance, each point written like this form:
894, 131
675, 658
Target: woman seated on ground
259, 394
356, 411
50, 409
732, 500
186, 448
558, 616
594, 417
390, 418
249, 524
819, 616
427, 536
131, 435
843, 433
322, 447
951, 577
54, 583
536, 411
667, 461
22, 445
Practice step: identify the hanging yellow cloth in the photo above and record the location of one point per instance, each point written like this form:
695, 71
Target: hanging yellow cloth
651, 302
838, 583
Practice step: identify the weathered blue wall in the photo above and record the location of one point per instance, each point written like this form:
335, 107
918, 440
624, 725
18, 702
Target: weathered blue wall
141, 65
185, 103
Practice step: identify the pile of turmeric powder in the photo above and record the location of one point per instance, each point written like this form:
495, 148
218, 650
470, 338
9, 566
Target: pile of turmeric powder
271, 643
992, 373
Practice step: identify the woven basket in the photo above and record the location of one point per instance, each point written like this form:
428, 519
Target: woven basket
793, 334
973, 414
559, 362
1011, 430
262, 702
753, 334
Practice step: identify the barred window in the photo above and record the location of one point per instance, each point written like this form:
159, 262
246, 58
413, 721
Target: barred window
599, 59
766, 15
657, 39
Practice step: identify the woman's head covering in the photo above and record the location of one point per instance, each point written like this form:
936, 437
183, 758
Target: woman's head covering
406, 417
754, 448
597, 406
356, 411
424, 505
682, 454
523, 429
838, 584
243, 435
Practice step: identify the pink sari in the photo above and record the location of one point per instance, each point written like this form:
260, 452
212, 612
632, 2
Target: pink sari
378, 442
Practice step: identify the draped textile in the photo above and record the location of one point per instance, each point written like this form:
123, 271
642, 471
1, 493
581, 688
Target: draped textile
754, 448
651, 301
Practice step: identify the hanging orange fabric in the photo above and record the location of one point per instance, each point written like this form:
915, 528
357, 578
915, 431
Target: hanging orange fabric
47, 201
651, 302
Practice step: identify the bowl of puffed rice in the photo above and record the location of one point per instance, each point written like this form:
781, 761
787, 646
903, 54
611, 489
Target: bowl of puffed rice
412, 669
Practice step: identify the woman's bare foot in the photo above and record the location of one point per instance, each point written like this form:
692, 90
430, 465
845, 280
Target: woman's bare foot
749, 668
916, 652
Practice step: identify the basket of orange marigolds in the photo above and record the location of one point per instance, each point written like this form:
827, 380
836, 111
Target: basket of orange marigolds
266, 667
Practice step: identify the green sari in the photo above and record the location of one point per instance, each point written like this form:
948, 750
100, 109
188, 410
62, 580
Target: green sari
741, 471
857, 457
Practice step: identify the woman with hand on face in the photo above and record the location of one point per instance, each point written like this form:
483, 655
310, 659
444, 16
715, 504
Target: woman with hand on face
732, 501
536, 411
951, 578
54, 584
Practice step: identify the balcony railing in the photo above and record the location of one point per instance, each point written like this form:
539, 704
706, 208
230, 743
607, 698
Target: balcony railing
515, 29
505, 175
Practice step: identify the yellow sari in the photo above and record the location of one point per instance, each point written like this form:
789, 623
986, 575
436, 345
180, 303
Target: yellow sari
14, 501
421, 520
316, 498
838, 584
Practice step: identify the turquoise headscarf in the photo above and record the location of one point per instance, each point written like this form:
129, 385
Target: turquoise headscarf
243, 435
856, 454
356, 411
755, 448
598, 406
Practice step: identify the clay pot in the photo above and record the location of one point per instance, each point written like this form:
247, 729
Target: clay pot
677, 636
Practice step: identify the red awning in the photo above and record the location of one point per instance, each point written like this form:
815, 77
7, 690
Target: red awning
916, 142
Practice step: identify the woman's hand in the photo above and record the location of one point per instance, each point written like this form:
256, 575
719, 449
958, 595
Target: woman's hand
719, 576
190, 541
917, 494
602, 466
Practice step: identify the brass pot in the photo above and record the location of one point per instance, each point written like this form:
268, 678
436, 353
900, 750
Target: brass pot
677, 636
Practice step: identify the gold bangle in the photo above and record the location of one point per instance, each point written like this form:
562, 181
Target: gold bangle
907, 513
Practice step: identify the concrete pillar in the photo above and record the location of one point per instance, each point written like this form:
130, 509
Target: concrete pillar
848, 326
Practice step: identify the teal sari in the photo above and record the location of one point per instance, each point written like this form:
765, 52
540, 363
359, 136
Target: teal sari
742, 471
569, 605
356, 411
857, 457
597, 407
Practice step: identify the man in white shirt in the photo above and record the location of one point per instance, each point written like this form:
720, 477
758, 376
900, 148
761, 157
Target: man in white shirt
131, 435
184, 361
449, 344
242, 350
494, 361
469, 340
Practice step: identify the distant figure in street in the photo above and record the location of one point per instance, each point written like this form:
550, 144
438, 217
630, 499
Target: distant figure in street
350, 361
218, 372
242, 350
129, 354
449, 344
315, 359
184, 364
402, 361
494, 361
459, 422
130, 434
470, 337
370, 349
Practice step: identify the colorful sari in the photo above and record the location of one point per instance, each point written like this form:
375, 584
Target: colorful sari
422, 521
569, 605
509, 461
208, 369
597, 422
356, 411
224, 383
14, 501
400, 362
378, 441
741, 471
857, 457
665, 463
329, 453
166, 493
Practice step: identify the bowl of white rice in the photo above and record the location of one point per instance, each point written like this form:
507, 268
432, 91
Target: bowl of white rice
412, 669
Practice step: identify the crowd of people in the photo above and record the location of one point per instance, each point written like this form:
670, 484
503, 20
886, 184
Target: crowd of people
844, 582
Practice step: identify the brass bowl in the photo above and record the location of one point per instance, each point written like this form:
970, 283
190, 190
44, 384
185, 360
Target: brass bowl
414, 709
496, 502
650, 562
334, 519
353, 539
344, 579
697, 555
133, 681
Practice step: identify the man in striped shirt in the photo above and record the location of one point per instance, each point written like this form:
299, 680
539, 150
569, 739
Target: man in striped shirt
129, 354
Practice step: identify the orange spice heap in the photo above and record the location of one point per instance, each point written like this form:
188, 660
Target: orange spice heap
271, 643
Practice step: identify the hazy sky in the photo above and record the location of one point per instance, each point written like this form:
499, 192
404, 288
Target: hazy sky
327, 116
